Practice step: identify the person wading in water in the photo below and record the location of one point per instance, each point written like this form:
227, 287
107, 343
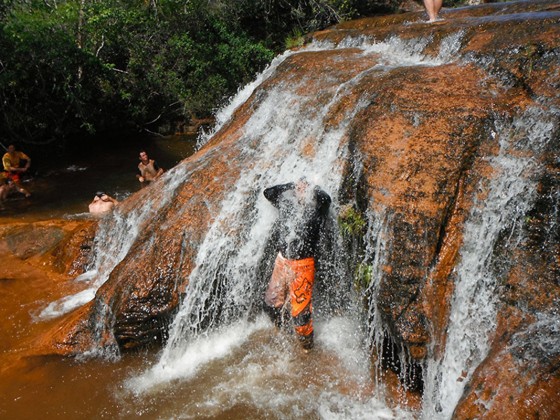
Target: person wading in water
148, 169
302, 212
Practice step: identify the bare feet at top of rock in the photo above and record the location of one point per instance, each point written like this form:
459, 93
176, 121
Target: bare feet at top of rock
436, 20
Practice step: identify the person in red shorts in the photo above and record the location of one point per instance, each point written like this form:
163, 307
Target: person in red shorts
12, 161
302, 212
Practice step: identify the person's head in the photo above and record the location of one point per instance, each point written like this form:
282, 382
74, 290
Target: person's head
143, 156
99, 194
11, 148
302, 186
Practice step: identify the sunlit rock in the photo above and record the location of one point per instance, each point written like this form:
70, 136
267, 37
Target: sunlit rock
442, 139
64, 246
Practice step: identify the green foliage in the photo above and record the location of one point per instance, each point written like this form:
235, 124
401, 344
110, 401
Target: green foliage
363, 276
295, 39
351, 222
40, 84
79, 66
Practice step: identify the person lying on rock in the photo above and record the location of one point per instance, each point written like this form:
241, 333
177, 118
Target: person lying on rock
302, 211
102, 203
148, 169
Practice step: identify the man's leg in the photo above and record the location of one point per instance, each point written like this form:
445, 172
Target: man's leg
277, 291
301, 290
16, 180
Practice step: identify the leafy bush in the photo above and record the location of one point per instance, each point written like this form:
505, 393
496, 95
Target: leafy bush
80, 66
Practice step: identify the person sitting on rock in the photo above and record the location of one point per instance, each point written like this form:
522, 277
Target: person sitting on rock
102, 203
302, 213
148, 169
15, 164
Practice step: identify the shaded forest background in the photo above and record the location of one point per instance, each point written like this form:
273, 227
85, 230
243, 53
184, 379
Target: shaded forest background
77, 68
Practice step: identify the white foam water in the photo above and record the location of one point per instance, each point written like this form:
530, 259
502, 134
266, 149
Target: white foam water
115, 235
252, 365
474, 304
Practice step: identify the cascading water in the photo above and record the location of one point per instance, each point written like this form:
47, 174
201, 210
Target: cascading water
228, 258
215, 318
116, 234
474, 305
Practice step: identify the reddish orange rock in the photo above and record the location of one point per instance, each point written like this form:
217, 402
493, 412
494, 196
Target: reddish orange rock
420, 150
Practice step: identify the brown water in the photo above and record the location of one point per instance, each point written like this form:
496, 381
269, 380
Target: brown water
62, 188
42, 386
262, 375
245, 371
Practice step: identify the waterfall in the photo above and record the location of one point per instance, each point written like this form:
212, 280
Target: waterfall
375, 257
227, 259
118, 231
500, 214
285, 138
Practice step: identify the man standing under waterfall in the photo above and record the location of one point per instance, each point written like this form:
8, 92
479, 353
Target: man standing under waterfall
302, 212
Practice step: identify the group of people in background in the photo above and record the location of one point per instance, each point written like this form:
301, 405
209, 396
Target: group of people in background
148, 172
16, 164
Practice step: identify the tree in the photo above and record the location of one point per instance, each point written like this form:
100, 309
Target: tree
71, 67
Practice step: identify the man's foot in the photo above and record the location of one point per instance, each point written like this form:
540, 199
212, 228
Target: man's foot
436, 20
306, 342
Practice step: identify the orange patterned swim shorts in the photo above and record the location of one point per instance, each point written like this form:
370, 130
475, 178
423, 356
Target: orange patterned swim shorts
295, 277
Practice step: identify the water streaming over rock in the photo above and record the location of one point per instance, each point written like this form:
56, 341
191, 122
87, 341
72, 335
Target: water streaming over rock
224, 290
497, 215
115, 236
324, 112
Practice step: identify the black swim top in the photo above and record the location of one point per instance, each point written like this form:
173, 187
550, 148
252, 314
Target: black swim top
300, 219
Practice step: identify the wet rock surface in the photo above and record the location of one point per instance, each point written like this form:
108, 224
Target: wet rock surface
61, 245
423, 136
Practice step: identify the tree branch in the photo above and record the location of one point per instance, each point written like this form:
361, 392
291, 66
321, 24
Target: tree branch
101, 46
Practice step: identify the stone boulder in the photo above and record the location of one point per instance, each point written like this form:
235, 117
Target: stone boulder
420, 146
